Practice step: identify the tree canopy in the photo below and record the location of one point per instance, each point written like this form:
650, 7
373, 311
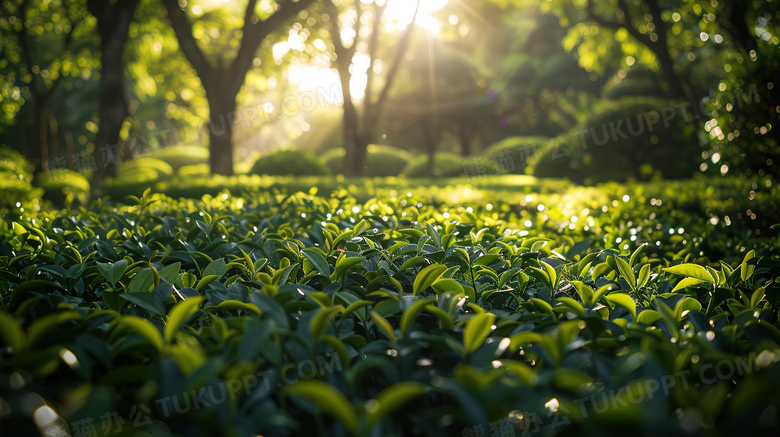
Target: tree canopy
87, 84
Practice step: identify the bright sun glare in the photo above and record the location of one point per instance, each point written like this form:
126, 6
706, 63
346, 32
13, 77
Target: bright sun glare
319, 74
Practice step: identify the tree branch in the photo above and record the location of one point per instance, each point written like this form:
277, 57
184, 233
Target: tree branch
625, 24
373, 44
254, 33
189, 46
74, 23
403, 43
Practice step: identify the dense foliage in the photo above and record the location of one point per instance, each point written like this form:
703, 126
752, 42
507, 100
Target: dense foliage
413, 313
16, 179
289, 163
381, 160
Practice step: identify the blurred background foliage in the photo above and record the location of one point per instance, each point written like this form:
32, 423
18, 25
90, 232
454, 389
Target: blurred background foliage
527, 87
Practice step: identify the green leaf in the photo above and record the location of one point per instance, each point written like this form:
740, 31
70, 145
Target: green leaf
317, 260
206, 280
144, 328
626, 272
229, 305
170, 272
637, 253
383, 325
486, 259
686, 282
745, 269
434, 235
142, 281
319, 323
426, 277
624, 301
328, 399
179, 314
644, 276
112, 271
445, 319
757, 297
462, 254
343, 264
411, 262
585, 292
392, 398
572, 304
354, 306
359, 227
11, 332
649, 317
146, 301
216, 267
411, 313
476, 331
443, 285
542, 306
691, 270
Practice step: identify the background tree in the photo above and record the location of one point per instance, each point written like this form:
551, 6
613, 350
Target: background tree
44, 42
350, 37
113, 22
221, 77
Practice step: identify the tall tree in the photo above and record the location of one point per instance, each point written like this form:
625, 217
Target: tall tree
222, 78
113, 22
42, 66
647, 25
359, 129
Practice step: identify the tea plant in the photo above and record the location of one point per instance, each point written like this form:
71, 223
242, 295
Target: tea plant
298, 314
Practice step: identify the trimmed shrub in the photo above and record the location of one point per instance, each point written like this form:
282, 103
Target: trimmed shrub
638, 82
193, 170
381, 160
445, 165
179, 156
143, 167
623, 140
513, 153
16, 179
136, 176
334, 160
289, 162
64, 186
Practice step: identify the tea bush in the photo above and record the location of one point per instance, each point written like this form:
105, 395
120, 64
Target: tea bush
64, 186
289, 163
576, 310
16, 179
518, 150
612, 146
381, 160
180, 156
445, 165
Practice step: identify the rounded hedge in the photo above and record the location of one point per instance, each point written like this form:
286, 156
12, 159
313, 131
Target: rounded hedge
630, 139
445, 165
64, 186
381, 160
179, 156
290, 162
193, 170
16, 179
513, 154
144, 167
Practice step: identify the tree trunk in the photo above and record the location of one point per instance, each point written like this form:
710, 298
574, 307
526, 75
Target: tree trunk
355, 143
39, 144
221, 133
465, 135
429, 131
113, 24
